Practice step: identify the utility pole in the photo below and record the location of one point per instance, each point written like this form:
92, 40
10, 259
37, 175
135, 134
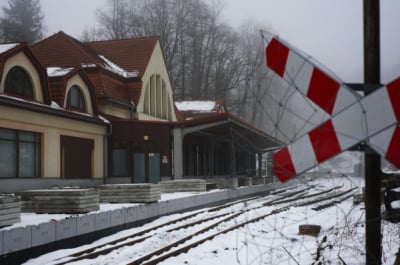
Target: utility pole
372, 159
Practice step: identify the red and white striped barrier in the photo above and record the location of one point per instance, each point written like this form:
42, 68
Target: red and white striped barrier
372, 119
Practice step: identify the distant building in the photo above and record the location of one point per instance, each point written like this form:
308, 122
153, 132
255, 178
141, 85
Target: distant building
74, 113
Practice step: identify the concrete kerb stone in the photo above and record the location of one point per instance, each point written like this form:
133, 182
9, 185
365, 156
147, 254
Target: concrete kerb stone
66, 228
131, 214
43, 233
153, 210
117, 217
179, 204
85, 224
162, 208
142, 212
1, 242
17, 239
171, 206
101, 220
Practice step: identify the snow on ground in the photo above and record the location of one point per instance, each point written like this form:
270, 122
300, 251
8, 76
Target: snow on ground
275, 239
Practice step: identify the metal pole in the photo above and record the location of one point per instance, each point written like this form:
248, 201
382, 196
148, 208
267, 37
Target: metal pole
372, 159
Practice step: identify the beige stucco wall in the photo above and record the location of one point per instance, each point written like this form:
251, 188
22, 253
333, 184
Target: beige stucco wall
77, 81
22, 61
52, 127
157, 66
115, 111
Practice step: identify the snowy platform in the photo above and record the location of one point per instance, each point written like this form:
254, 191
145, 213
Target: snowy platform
60, 200
50, 231
129, 193
183, 185
10, 210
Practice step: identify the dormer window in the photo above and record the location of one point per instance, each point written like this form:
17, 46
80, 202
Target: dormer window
75, 99
18, 83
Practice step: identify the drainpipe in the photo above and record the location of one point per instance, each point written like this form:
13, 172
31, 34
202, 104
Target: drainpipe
105, 152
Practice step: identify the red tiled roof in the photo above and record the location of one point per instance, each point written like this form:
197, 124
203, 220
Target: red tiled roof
62, 50
130, 54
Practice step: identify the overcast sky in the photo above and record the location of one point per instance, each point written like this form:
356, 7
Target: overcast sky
328, 30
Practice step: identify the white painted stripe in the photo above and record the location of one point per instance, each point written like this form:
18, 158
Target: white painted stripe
379, 112
380, 142
344, 99
350, 126
302, 153
298, 71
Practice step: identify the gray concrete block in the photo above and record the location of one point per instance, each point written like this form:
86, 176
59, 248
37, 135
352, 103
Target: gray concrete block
203, 199
43, 233
117, 217
171, 206
131, 214
162, 208
85, 224
17, 239
1, 242
101, 220
179, 204
66, 228
188, 202
153, 209
142, 212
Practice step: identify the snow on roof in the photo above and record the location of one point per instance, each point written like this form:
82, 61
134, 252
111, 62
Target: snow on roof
196, 105
109, 65
6, 47
58, 71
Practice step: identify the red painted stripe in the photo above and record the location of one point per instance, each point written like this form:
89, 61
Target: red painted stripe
393, 154
283, 165
324, 141
323, 90
277, 55
393, 89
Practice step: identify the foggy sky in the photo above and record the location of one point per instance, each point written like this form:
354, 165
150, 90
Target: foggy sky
328, 30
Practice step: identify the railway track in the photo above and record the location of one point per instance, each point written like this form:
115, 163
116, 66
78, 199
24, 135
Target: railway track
212, 222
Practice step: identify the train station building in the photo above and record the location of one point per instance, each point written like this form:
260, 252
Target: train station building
88, 113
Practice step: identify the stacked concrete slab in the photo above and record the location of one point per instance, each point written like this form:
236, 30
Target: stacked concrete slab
60, 200
183, 185
224, 183
129, 193
10, 209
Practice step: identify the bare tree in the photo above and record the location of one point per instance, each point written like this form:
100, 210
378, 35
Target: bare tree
113, 19
200, 51
22, 21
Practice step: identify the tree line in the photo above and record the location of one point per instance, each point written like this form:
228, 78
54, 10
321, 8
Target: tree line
206, 58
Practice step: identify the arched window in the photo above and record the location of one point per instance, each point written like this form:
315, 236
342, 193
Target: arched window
157, 102
18, 83
75, 99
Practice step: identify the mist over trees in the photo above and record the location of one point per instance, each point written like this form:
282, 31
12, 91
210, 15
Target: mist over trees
206, 57
21, 20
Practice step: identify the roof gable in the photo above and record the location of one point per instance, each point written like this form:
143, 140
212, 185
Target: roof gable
9, 50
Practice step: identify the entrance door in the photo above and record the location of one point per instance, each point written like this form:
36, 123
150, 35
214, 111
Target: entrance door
76, 157
139, 173
154, 167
